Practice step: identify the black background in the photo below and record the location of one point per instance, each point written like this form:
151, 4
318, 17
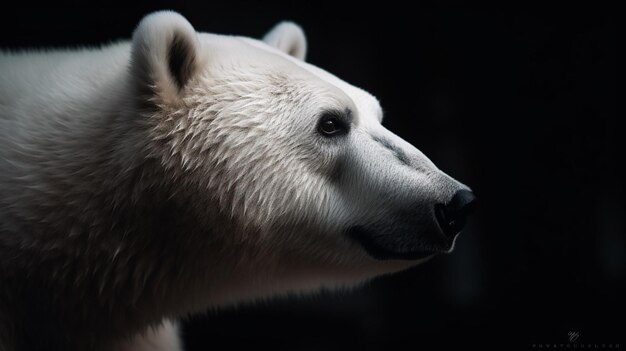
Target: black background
517, 102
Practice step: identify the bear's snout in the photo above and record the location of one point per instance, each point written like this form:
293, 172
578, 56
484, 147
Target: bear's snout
452, 216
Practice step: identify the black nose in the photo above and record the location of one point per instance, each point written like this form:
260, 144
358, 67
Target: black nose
452, 216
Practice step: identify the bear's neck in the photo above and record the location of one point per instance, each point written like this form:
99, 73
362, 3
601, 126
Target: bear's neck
97, 243
109, 230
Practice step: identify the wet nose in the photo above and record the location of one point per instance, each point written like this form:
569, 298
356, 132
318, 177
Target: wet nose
452, 216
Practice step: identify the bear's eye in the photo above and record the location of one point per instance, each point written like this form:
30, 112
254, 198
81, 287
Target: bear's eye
330, 125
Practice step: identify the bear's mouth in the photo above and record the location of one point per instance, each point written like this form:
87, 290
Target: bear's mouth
382, 246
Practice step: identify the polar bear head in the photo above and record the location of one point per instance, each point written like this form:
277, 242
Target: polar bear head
285, 167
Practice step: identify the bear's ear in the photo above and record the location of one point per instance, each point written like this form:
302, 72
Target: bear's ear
289, 38
165, 54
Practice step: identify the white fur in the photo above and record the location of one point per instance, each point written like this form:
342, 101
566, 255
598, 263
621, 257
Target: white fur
287, 37
133, 194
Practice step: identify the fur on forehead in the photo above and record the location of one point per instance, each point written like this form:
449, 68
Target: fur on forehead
244, 133
367, 106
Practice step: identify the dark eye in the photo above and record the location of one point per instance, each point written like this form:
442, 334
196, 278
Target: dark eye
331, 125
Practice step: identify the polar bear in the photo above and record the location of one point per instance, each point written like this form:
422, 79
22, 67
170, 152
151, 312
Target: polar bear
147, 180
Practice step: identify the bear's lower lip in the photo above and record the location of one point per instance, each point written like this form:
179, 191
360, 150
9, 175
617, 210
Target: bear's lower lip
377, 250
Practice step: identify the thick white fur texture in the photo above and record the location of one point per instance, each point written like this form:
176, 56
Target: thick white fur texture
147, 180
